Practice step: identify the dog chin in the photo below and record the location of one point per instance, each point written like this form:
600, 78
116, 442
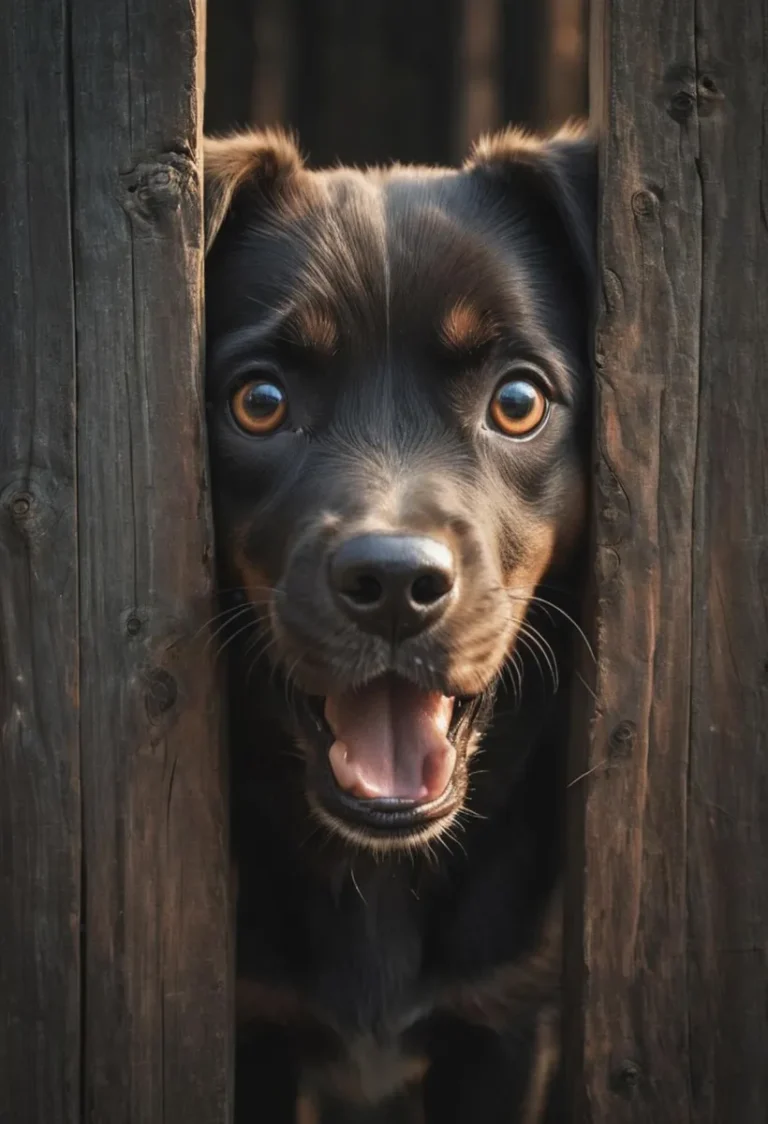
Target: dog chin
387, 762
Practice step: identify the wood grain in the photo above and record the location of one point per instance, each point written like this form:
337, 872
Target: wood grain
114, 912
728, 809
157, 1026
114, 931
668, 905
39, 754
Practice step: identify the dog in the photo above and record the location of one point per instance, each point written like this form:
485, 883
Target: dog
398, 392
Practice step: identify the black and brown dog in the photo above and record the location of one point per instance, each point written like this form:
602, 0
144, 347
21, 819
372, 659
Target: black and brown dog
398, 391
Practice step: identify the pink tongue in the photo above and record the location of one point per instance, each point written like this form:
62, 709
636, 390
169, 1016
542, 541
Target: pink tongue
391, 741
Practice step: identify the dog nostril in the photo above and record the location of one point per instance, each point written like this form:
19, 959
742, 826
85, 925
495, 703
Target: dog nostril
392, 585
364, 590
430, 587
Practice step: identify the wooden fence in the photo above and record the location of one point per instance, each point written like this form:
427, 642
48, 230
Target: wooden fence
114, 936
668, 913
115, 933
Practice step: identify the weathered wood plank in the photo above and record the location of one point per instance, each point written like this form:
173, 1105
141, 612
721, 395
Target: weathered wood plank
628, 1005
668, 966
156, 964
728, 815
39, 765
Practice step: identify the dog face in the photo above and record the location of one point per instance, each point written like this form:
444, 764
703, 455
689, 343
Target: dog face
398, 391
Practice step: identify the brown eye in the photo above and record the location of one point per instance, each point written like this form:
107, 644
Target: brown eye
518, 407
259, 407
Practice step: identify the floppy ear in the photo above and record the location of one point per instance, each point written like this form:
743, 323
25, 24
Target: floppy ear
559, 170
256, 166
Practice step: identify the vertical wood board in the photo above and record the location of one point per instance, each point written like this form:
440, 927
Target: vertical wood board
669, 895
157, 1013
39, 754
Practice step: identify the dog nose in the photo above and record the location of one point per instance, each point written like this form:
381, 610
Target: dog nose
393, 585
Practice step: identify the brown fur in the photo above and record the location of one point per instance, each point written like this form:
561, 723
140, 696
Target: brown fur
268, 160
466, 327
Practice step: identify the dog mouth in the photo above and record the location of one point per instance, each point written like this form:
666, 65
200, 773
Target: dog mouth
389, 758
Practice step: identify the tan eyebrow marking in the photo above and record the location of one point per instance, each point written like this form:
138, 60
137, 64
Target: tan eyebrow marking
466, 327
315, 328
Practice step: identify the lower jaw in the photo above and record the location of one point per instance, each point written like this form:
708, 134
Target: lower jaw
390, 823
354, 838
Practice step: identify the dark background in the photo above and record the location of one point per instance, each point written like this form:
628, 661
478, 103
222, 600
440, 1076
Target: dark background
367, 81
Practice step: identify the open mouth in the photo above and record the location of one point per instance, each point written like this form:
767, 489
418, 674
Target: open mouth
390, 756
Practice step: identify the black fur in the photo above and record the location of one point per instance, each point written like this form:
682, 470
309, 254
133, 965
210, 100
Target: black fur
403, 977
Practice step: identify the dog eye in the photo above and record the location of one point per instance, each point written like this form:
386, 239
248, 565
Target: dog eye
259, 407
519, 407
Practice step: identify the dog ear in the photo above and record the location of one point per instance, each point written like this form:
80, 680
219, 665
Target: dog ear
256, 167
560, 170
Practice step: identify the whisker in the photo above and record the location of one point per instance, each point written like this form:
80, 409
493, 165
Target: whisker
546, 650
585, 685
517, 667
270, 643
316, 827
354, 883
472, 813
524, 640
234, 636
450, 834
262, 634
508, 674
212, 620
605, 763
536, 600
241, 611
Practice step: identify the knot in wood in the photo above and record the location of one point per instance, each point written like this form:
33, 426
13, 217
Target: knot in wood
679, 92
21, 504
645, 204
681, 105
709, 96
687, 94
625, 1078
35, 504
160, 692
154, 189
622, 740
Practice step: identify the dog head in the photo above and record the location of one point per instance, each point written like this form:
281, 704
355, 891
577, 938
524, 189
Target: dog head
398, 388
